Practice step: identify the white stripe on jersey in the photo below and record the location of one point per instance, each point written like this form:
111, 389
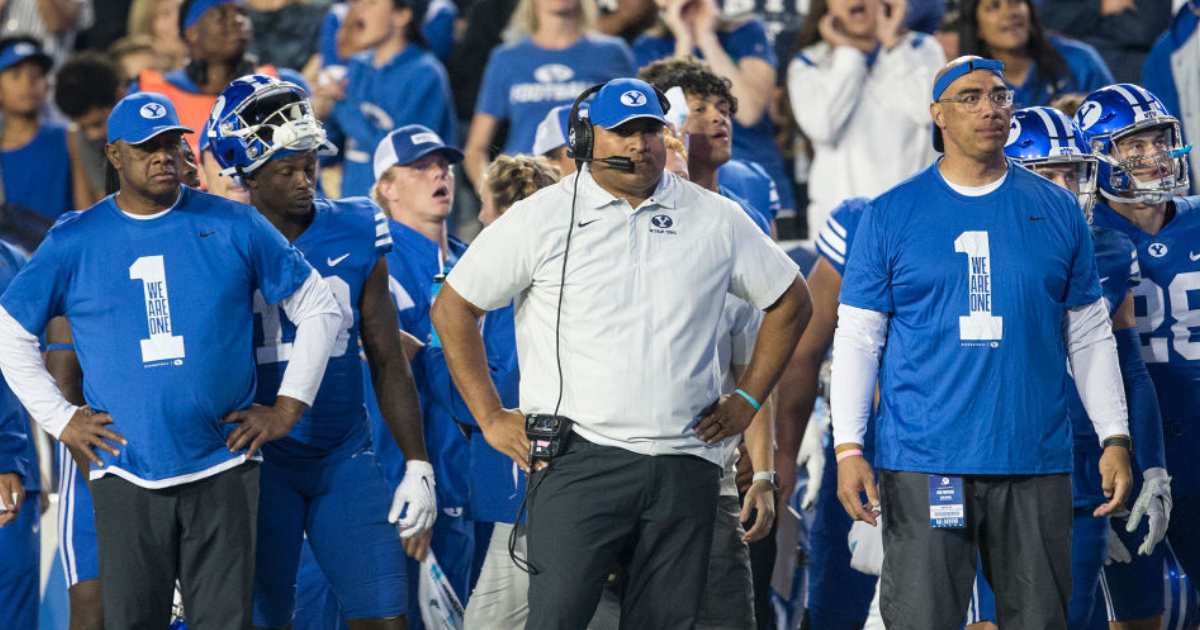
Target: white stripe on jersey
66, 514
401, 297
836, 227
381, 229
383, 240
1108, 605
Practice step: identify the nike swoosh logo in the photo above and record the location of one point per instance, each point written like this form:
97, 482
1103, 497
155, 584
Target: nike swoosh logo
207, 234
1194, 257
332, 262
587, 223
1037, 218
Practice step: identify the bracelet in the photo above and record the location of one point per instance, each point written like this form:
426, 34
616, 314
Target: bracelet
1118, 440
847, 454
750, 399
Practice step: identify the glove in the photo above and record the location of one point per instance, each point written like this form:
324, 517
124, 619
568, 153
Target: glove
416, 493
812, 457
1116, 549
866, 548
1154, 501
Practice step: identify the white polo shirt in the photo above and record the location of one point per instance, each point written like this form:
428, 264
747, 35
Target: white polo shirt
642, 307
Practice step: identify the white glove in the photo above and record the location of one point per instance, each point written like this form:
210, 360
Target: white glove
812, 457
1116, 549
1155, 501
416, 492
866, 548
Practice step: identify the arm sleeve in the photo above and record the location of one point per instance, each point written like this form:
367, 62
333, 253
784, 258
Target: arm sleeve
906, 72
857, 349
1092, 353
1145, 419
21, 364
824, 96
317, 317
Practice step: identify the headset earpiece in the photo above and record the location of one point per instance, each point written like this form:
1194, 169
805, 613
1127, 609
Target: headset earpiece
579, 131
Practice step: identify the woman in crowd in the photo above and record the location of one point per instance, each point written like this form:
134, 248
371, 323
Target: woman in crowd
1039, 66
738, 50
395, 82
859, 88
554, 55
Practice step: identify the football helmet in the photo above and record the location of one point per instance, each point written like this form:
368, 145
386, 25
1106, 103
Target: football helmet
1153, 175
257, 119
1042, 136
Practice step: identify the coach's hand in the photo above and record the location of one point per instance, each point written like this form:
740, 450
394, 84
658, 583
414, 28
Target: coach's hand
1117, 479
12, 495
416, 492
725, 418
760, 498
504, 430
262, 424
86, 431
1155, 501
855, 476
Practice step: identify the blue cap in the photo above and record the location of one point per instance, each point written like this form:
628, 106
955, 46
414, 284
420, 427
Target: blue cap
956, 70
141, 116
197, 8
623, 100
17, 52
408, 144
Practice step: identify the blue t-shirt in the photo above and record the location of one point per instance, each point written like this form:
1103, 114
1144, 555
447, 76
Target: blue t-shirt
38, 175
751, 182
342, 244
18, 453
162, 314
523, 81
413, 263
411, 89
1088, 73
973, 371
1167, 304
753, 144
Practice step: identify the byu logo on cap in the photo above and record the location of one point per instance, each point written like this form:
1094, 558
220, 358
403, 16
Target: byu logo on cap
423, 138
633, 98
24, 48
152, 111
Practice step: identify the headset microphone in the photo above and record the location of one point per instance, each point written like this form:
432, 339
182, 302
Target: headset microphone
619, 163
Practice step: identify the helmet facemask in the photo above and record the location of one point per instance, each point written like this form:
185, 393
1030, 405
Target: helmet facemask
1151, 175
1084, 168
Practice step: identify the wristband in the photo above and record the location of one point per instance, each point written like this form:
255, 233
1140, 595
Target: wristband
750, 399
1118, 440
849, 453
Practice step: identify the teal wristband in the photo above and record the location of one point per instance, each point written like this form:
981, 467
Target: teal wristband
750, 399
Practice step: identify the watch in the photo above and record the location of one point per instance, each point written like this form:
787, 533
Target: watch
769, 476
1118, 440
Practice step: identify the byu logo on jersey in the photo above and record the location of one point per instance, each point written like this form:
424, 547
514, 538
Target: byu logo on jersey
633, 98
1157, 250
152, 111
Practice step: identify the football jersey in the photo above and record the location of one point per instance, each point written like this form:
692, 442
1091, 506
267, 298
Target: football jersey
750, 181
1117, 266
162, 314
343, 243
833, 241
1167, 304
973, 373
18, 453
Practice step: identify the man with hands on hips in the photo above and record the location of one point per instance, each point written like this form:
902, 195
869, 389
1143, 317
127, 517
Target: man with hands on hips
651, 259
957, 281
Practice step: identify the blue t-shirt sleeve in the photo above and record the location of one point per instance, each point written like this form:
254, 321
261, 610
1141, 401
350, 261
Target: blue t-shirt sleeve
867, 279
1083, 285
36, 295
279, 269
493, 90
750, 40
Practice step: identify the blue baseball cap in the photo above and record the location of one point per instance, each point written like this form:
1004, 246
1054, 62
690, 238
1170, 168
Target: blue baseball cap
197, 8
17, 52
408, 144
955, 70
623, 100
553, 130
141, 116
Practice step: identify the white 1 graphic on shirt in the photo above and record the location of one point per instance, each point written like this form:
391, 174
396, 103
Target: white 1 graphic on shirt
979, 324
162, 345
274, 350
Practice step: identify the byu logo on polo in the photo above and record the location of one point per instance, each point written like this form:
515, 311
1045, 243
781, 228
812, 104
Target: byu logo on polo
662, 221
152, 111
1157, 250
633, 98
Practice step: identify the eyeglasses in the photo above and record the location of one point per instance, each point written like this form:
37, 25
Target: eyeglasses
974, 101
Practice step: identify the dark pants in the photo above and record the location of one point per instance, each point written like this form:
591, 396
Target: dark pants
200, 532
1019, 526
593, 501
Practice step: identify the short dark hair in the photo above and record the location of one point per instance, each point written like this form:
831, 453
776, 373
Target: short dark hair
692, 75
87, 81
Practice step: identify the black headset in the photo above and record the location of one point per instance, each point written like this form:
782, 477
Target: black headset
581, 140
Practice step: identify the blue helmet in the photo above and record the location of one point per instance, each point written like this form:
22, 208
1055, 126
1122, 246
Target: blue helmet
1113, 113
257, 119
1043, 136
